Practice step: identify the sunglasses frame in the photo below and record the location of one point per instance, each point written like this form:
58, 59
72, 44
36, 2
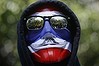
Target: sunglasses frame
45, 18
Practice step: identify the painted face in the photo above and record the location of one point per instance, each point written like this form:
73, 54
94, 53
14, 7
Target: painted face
48, 37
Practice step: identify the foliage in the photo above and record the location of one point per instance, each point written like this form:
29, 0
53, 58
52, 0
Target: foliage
87, 12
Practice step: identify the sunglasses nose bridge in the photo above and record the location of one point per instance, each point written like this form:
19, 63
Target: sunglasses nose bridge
47, 26
46, 19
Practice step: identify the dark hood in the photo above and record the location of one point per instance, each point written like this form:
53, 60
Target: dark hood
73, 26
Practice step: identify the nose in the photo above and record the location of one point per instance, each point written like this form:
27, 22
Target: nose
47, 29
48, 36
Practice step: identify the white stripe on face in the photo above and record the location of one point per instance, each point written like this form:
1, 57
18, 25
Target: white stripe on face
46, 13
43, 44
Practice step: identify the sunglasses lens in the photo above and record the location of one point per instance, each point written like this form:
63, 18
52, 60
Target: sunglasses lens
58, 22
34, 23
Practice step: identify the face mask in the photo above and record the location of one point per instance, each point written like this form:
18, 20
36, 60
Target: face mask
48, 38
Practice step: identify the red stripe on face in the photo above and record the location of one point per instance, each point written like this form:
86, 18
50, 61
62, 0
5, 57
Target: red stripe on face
51, 55
47, 7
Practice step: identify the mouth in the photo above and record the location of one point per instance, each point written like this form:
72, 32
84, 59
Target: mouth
50, 52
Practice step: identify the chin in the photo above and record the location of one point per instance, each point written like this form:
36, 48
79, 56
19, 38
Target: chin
51, 55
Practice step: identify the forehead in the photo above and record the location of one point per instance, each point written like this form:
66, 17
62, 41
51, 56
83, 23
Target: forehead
47, 13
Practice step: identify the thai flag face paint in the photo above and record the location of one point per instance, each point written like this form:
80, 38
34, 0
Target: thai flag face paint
49, 45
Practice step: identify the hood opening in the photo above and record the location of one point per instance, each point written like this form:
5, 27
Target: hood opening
73, 26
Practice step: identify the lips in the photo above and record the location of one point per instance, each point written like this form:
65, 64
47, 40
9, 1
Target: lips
51, 55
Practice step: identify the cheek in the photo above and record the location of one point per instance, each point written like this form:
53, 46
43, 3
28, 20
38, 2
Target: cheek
51, 55
32, 35
64, 34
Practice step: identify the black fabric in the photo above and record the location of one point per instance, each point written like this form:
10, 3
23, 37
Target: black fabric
73, 26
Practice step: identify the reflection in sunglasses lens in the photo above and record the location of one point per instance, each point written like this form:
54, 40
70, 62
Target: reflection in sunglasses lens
34, 23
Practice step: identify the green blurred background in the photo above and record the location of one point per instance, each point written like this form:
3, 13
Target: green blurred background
87, 12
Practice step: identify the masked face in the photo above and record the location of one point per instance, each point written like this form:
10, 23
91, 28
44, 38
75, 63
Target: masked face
48, 38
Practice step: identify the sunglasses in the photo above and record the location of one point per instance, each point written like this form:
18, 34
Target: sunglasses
37, 22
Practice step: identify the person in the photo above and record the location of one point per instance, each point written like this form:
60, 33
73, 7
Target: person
48, 34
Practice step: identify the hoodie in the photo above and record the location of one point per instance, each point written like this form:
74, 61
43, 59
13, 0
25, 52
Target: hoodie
73, 25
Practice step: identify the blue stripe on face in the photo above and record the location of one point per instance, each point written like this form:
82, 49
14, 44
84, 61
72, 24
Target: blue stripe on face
34, 35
